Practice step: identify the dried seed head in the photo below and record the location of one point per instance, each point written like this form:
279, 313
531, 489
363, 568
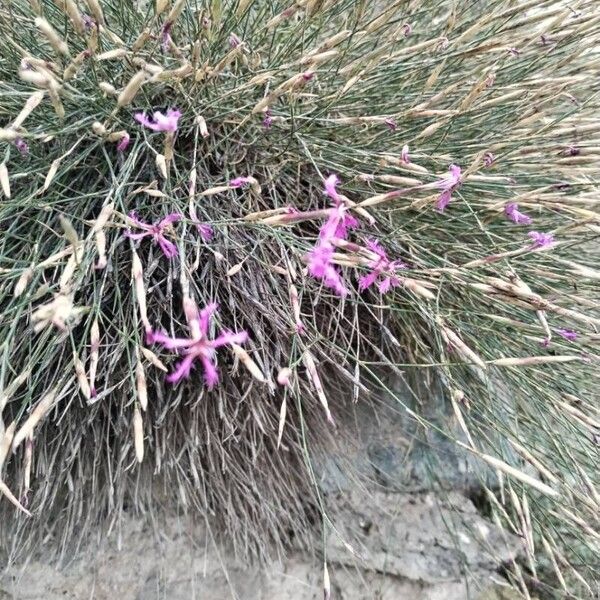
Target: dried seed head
107, 88
70, 9
98, 128
132, 88
4, 180
153, 359
101, 248
245, 359
8, 135
311, 367
138, 434
59, 312
160, 6
200, 121
59, 45
140, 380
112, 54
96, 10
161, 164
23, 281
283, 376
103, 217
175, 11
84, 386
36, 415
30, 105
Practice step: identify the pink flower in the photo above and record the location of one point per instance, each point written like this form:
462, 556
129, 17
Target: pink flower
568, 334
511, 210
284, 375
406, 29
382, 268
320, 259
160, 122
234, 41
21, 146
123, 143
448, 185
156, 230
330, 184
239, 182
404, 155
198, 347
321, 266
541, 240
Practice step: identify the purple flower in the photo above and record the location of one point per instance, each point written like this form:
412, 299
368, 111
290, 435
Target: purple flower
406, 29
541, 240
404, 155
156, 230
21, 146
448, 185
234, 41
391, 123
240, 181
568, 334
165, 37
88, 22
123, 143
488, 159
159, 122
268, 120
198, 347
511, 210
382, 268
205, 230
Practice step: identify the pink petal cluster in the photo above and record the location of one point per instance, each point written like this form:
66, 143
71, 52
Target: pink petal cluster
568, 334
448, 185
320, 258
156, 231
165, 37
391, 123
541, 240
160, 122
488, 159
511, 210
123, 143
383, 269
268, 120
404, 155
21, 146
199, 346
206, 231
240, 182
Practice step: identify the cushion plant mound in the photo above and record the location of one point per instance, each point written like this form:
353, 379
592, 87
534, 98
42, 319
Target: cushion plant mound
221, 221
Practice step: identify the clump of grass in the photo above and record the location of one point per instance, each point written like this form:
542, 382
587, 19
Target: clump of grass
287, 94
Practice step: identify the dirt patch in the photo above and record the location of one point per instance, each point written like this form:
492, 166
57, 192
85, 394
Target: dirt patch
387, 546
